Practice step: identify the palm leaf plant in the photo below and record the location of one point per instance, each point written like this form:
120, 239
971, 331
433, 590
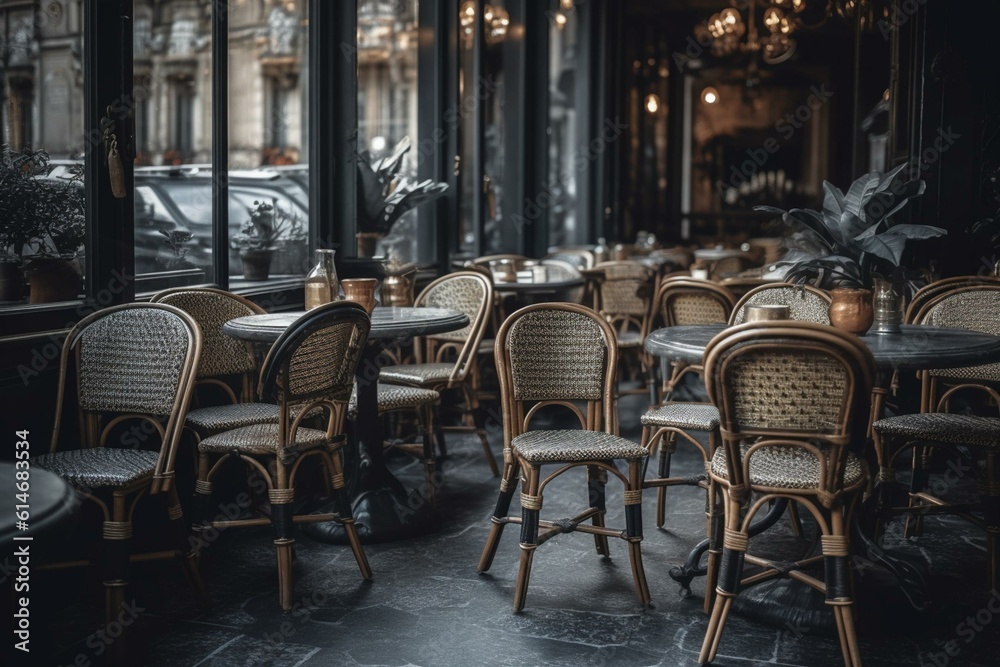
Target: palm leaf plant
384, 196
855, 237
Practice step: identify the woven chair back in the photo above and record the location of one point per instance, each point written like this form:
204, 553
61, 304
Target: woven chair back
923, 297
684, 301
211, 308
626, 289
973, 307
789, 379
469, 292
556, 352
805, 303
133, 361
316, 357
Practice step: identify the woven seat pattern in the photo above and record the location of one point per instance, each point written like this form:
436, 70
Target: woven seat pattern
221, 354
803, 391
694, 416
318, 363
224, 417
629, 339
462, 293
803, 306
98, 466
417, 373
571, 446
945, 428
395, 397
788, 467
557, 355
625, 296
131, 362
259, 439
690, 309
975, 311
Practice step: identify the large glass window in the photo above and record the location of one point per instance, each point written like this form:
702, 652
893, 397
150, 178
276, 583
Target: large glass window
387, 108
495, 30
562, 179
42, 199
268, 141
172, 54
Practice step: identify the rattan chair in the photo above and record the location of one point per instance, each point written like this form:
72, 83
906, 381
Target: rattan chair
968, 307
555, 354
793, 397
624, 296
223, 357
688, 301
310, 367
470, 292
805, 303
923, 296
133, 362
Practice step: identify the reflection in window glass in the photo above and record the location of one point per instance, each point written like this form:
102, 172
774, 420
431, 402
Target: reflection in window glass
497, 21
387, 106
42, 210
172, 54
268, 140
562, 181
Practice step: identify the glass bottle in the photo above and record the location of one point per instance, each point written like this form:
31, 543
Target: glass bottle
322, 285
601, 251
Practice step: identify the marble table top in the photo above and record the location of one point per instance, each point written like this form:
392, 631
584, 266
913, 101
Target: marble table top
916, 347
387, 322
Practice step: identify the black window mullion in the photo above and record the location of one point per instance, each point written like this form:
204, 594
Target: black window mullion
220, 142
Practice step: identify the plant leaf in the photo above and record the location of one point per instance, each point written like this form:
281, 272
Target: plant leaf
886, 246
861, 190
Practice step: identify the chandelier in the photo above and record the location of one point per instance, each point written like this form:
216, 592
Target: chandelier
727, 32
496, 20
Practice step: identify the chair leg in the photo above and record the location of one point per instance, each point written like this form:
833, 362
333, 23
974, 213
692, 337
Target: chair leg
715, 536
284, 540
480, 425
117, 552
918, 482
508, 484
202, 498
633, 530
669, 446
346, 514
991, 514
597, 481
426, 417
734, 546
839, 586
793, 518
186, 552
531, 505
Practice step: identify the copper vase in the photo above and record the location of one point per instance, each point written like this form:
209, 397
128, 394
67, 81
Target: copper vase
360, 290
851, 310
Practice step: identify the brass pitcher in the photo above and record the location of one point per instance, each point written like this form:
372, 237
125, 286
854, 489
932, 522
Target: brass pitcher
397, 288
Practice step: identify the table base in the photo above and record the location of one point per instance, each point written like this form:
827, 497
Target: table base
381, 515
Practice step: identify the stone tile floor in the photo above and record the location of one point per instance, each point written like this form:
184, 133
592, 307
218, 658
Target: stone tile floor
427, 605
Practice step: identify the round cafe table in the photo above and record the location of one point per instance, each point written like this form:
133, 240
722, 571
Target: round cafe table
915, 347
384, 509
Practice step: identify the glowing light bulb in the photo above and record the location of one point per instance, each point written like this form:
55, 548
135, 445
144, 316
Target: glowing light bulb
710, 95
772, 18
652, 104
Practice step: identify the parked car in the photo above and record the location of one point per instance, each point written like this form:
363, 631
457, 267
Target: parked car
180, 199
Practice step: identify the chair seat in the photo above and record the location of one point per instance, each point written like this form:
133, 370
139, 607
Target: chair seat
571, 446
693, 416
629, 339
395, 397
787, 468
945, 428
416, 373
259, 439
217, 418
99, 466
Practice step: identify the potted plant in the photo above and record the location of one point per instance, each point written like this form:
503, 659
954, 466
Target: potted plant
259, 238
855, 244
986, 232
385, 197
43, 229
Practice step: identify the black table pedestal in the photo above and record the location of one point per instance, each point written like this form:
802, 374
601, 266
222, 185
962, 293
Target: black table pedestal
383, 508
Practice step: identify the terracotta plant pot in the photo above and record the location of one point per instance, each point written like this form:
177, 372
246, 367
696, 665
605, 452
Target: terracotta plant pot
52, 280
851, 310
256, 264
